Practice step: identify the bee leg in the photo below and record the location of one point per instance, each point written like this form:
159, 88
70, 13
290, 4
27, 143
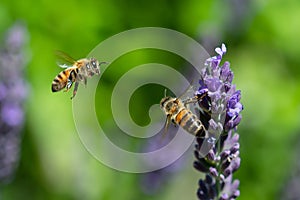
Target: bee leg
191, 100
75, 89
167, 123
69, 85
196, 99
85, 81
175, 125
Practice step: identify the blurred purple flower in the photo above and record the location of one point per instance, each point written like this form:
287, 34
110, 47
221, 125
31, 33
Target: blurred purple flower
220, 113
155, 181
13, 92
12, 114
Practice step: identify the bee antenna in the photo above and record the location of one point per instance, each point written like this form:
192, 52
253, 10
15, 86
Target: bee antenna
100, 63
165, 92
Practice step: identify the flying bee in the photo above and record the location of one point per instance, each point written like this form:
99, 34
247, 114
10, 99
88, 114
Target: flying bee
178, 113
77, 71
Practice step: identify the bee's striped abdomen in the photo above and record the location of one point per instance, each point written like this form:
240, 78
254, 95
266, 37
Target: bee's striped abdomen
60, 81
189, 122
179, 114
182, 116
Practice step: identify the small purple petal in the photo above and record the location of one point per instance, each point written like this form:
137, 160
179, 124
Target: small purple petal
226, 74
201, 91
219, 51
235, 164
213, 84
227, 86
235, 185
236, 194
232, 123
224, 50
235, 138
224, 196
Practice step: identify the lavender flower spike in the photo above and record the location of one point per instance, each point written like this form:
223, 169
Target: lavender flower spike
220, 112
13, 93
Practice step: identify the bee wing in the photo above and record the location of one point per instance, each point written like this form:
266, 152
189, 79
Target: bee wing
63, 65
189, 92
63, 59
189, 98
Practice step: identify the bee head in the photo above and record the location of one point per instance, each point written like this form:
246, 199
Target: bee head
169, 104
94, 66
164, 101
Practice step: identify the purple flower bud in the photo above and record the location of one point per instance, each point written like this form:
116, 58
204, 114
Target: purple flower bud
235, 109
233, 105
224, 155
234, 148
227, 172
201, 194
200, 167
203, 186
225, 164
213, 171
236, 194
211, 156
226, 74
232, 123
235, 164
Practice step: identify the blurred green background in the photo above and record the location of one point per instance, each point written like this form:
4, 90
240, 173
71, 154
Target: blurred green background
263, 49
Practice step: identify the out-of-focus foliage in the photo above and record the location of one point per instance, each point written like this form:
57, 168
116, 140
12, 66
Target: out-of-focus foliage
263, 49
